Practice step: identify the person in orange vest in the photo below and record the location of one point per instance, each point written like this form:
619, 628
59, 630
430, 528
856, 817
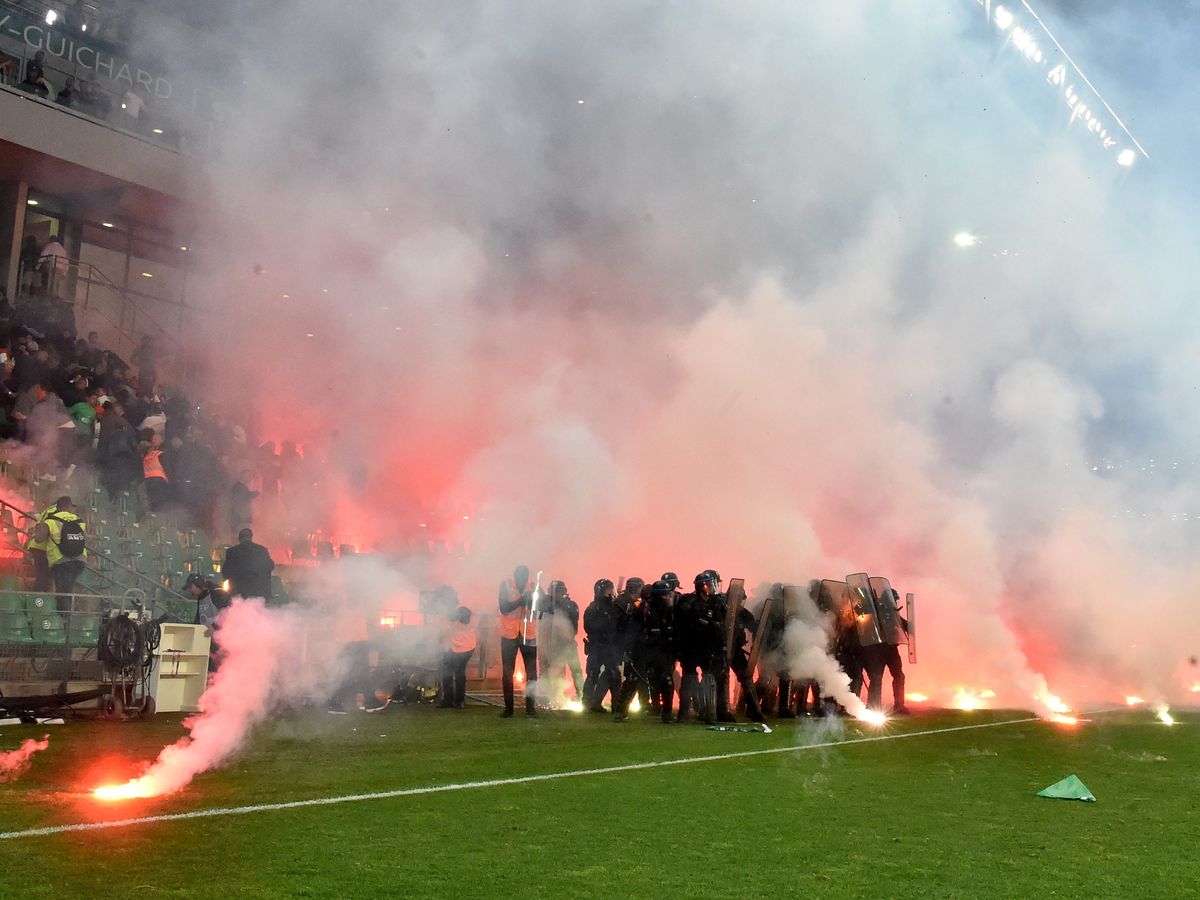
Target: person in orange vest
459, 647
518, 633
158, 487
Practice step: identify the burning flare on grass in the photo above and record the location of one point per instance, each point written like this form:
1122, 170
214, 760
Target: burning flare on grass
1134, 701
804, 645
970, 700
1164, 716
573, 706
1060, 719
14, 762
917, 698
257, 665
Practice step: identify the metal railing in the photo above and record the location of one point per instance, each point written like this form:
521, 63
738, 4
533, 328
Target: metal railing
153, 597
63, 279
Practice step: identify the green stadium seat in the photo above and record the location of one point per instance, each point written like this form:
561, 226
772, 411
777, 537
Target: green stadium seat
85, 629
40, 603
14, 628
12, 601
48, 628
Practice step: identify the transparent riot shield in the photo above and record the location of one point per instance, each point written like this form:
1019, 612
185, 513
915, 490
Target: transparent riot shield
760, 633
887, 603
548, 639
833, 598
862, 601
910, 609
734, 598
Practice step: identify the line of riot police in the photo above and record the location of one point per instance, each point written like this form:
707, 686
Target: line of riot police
637, 635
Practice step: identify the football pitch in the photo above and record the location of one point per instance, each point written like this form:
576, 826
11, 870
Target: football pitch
573, 805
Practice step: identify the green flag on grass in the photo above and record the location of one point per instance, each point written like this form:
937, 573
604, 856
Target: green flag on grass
1070, 788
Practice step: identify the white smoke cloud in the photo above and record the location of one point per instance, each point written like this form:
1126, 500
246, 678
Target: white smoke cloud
712, 314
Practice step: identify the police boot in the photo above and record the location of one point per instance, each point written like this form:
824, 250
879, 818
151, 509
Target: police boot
530, 709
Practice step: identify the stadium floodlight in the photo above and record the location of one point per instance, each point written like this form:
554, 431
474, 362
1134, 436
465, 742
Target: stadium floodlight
1126, 157
965, 239
1003, 18
51, 17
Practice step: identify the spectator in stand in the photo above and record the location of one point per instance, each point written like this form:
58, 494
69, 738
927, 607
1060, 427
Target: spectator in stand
240, 497
30, 251
133, 103
248, 566
8, 65
116, 454
94, 355
68, 95
145, 357
155, 420
158, 486
54, 264
35, 76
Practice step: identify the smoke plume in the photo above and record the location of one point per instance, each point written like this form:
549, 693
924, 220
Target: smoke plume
627, 287
13, 763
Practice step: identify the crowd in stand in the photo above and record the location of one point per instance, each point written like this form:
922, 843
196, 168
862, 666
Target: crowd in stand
81, 94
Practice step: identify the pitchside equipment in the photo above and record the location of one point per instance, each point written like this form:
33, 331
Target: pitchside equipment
866, 619
891, 629
734, 598
910, 608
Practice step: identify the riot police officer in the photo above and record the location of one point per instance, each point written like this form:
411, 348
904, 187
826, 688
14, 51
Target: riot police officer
601, 646
627, 604
652, 660
701, 635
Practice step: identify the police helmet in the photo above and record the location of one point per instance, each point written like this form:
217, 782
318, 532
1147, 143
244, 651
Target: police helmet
671, 579
661, 589
705, 577
635, 585
194, 580
602, 586
716, 578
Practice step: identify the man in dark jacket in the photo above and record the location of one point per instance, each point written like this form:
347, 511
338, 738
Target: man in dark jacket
248, 566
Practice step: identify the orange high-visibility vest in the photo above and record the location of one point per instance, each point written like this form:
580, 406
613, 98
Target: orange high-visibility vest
510, 623
152, 466
462, 638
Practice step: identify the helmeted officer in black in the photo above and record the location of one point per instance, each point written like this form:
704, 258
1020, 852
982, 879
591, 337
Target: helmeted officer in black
602, 647
739, 661
700, 626
652, 658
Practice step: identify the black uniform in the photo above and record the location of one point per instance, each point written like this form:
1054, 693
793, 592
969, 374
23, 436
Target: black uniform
603, 651
700, 626
739, 661
627, 604
651, 665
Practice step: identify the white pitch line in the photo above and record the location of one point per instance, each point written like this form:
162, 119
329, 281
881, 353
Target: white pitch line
471, 785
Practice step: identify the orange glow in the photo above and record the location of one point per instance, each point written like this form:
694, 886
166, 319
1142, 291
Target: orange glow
968, 700
1134, 701
1196, 688
1054, 704
987, 695
1060, 719
130, 790
916, 698
872, 717
519, 677
387, 621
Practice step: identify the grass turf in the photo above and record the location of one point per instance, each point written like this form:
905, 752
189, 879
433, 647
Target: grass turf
950, 814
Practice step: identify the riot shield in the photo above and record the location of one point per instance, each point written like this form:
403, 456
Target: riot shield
734, 598
910, 609
886, 603
546, 609
862, 601
760, 634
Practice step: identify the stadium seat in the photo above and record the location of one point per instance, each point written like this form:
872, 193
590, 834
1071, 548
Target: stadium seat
85, 629
14, 628
12, 601
40, 603
48, 628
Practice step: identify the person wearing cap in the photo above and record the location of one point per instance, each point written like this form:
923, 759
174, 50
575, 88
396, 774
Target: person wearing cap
210, 599
248, 566
55, 565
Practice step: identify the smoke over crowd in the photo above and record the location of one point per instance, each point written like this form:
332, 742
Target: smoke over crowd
617, 288
13, 763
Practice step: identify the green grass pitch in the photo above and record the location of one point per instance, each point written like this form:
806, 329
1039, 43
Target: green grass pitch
950, 814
